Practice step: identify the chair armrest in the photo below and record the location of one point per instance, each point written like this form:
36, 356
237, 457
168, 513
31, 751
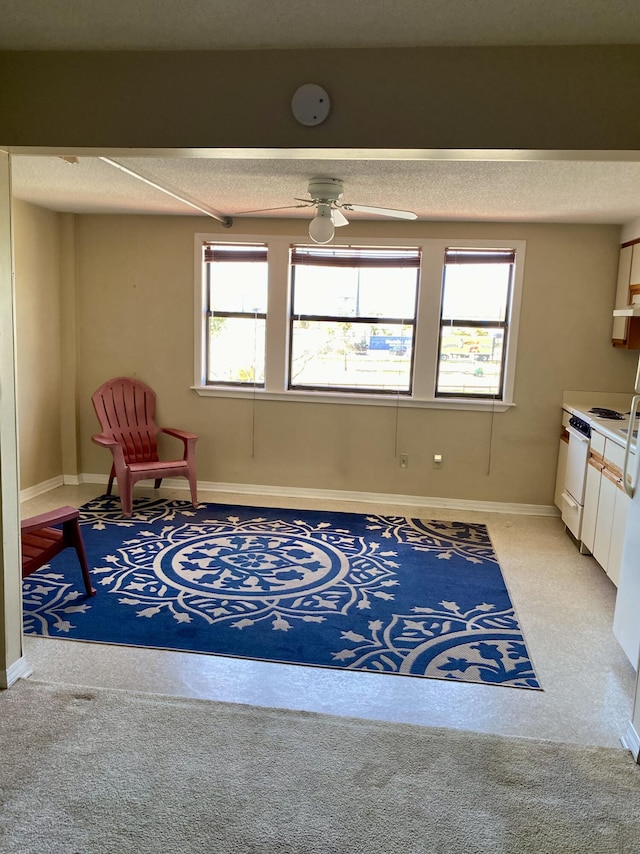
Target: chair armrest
105, 441
179, 434
114, 446
188, 442
47, 520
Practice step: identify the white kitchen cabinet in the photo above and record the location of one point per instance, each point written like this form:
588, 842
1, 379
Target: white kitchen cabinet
621, 324
617, 535
604, 521
591, 498
561, 471
562, 460
598, 442
626, 330
634, 272
605, 507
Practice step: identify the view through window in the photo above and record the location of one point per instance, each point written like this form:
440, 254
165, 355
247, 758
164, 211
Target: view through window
383, 321
352, 319
236, 279
476, 292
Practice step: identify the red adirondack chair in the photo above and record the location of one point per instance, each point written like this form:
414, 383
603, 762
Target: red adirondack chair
126, 411
46, 535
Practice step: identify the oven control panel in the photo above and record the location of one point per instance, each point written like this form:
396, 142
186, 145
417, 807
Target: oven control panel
580, 425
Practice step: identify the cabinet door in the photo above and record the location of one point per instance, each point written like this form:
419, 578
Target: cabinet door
634, 264
591, 497
625, 270
617, 534
561, 471
604, 521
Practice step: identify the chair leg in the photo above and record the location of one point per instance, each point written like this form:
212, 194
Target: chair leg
157, 482
193, 484
126, 499
111, 477
74, 538
125, 488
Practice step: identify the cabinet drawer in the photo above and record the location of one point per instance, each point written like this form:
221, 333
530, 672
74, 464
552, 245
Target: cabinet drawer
597, 442
571, 514
614, 453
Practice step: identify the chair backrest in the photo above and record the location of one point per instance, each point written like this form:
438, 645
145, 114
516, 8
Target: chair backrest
126, 411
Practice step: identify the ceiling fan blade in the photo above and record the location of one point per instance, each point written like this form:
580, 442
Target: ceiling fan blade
267, 210
339, 219
381, 211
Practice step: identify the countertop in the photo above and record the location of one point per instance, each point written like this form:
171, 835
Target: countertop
614, 430
579, 404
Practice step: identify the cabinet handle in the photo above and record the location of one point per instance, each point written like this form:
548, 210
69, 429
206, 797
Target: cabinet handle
569, 500
611, 475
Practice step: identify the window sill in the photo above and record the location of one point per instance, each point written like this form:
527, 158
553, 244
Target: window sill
355, 399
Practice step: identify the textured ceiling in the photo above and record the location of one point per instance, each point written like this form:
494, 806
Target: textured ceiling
542, 191
561, 191
250, 24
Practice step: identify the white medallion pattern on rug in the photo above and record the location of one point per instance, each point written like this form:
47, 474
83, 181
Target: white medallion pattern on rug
249, 571
362, 592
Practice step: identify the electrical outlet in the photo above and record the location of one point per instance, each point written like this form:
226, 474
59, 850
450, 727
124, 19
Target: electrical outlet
437, 461
404, 461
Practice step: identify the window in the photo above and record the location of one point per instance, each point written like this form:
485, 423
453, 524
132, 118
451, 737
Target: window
433, 323
476, 296
236, 311
352, 319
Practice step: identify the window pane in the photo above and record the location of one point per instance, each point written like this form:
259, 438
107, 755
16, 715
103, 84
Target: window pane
470, 361
239, 286
362, 356
236, 350
476, 291
355, 291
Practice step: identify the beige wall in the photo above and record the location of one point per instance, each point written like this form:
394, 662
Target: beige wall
135, 283
467, 98
539, 97
38, 306
458, 97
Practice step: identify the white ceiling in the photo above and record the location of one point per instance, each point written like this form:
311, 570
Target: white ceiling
462, 189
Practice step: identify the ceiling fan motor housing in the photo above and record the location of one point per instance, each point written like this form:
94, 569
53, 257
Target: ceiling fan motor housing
325, 189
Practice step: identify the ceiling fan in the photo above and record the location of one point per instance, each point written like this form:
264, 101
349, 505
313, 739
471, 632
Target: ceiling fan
324, 196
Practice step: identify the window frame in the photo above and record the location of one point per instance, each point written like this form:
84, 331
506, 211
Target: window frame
477, 324
260, 249
427, 324
294, 317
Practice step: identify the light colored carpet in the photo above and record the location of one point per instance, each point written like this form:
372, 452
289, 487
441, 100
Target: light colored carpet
89, 770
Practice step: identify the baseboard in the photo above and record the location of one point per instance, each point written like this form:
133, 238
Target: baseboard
256, 490
18, 670
631, 740
41, 488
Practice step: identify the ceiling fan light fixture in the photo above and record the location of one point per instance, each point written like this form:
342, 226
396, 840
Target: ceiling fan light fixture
321, 228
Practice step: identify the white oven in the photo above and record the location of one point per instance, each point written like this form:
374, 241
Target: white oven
576, 475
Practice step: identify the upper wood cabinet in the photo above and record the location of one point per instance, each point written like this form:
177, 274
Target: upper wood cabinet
626, 330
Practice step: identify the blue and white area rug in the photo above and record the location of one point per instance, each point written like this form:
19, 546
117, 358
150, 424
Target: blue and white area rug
360, 592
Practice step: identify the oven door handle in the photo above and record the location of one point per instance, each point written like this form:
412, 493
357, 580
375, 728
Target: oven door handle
570, 500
